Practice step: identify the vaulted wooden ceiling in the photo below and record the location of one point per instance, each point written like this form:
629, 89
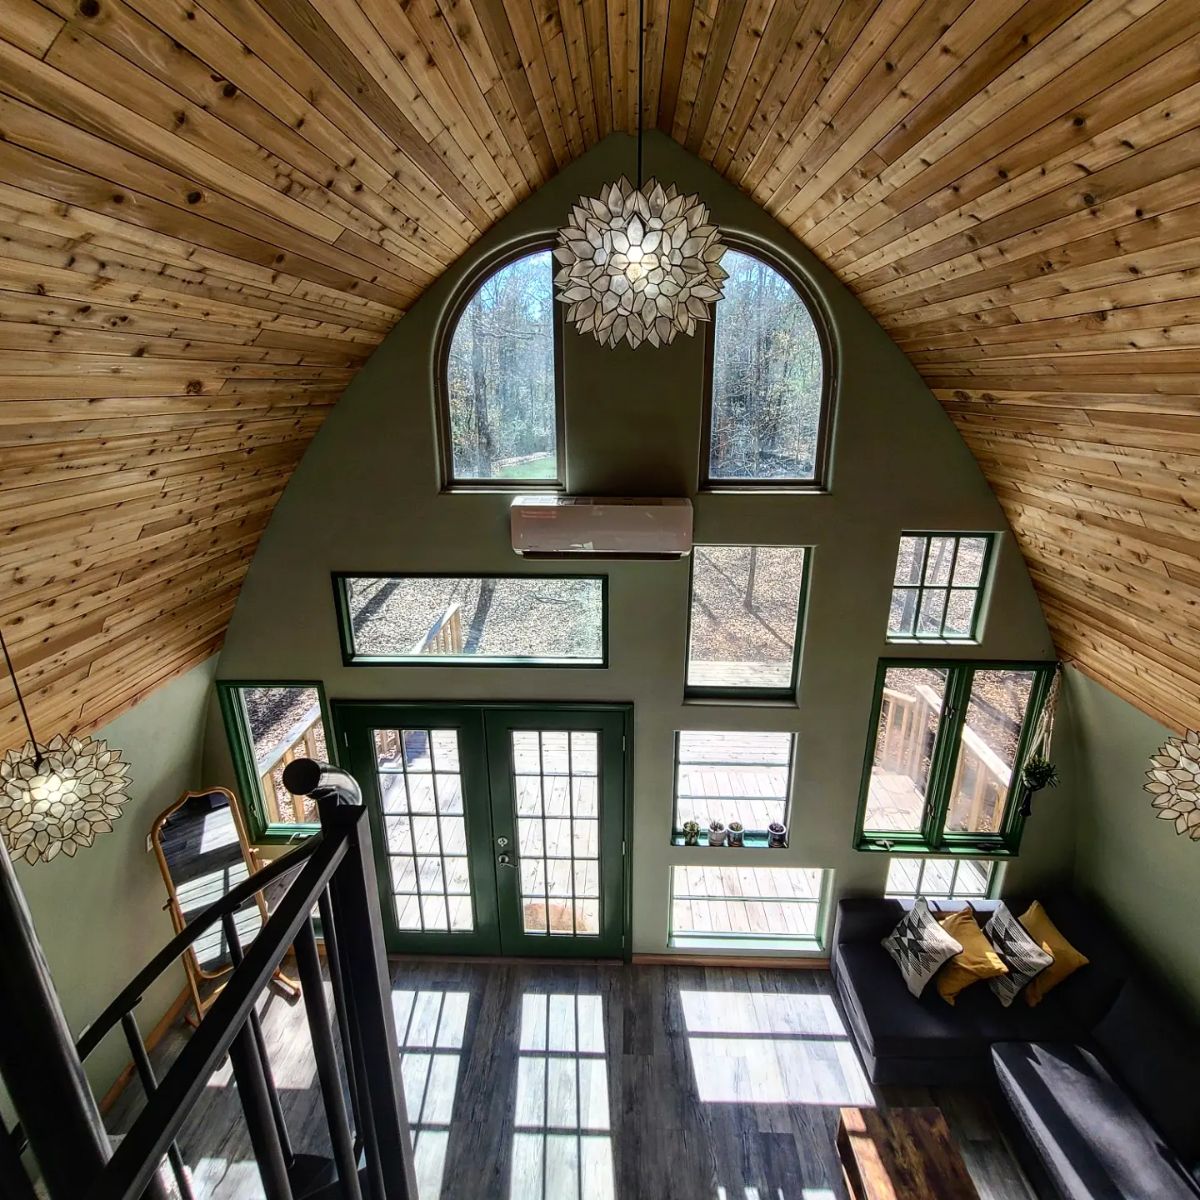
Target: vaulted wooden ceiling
212, 210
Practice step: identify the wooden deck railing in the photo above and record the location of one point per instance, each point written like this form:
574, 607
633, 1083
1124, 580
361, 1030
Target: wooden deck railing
445, 635
300, 741
981, 779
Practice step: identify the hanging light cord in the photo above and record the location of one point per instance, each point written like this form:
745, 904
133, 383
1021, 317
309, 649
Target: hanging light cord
641, 58
37, 753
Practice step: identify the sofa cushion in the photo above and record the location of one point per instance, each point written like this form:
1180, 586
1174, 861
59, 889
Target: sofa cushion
1067, 960
1023, 957
978, 961
1089, 993
920, 946
893, 1024
1093, 1141
1153, 1051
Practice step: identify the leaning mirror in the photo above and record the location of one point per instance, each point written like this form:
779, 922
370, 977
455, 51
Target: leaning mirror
203, 852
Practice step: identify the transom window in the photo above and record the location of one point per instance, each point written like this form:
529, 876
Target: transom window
939, 580
501, 410
745, 619
268, 725
947, 744
505, 620
768, 403
764, 904
725, 777
939, 878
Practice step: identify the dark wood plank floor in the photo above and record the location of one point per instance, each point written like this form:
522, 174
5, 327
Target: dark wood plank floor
581, 1082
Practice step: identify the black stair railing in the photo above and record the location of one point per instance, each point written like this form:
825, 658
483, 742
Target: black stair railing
371, 1148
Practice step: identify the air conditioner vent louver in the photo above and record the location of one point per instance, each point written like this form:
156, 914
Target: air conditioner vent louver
554, 526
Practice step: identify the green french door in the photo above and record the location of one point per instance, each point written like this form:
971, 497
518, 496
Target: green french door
497, 829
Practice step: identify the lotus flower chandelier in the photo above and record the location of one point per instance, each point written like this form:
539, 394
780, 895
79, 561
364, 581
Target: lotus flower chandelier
1174, 782
58, 797
639, 263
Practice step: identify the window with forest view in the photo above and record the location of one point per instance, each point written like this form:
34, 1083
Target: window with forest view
501, 388
548, 620
767, 407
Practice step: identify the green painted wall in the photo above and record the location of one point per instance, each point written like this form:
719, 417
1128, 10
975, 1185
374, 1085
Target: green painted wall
366, 497
100, 914
1136, 866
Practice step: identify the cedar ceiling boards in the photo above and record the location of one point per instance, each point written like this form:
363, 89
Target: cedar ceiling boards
212, 210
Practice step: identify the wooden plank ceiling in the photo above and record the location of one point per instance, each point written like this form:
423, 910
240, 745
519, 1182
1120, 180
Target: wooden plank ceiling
212, 210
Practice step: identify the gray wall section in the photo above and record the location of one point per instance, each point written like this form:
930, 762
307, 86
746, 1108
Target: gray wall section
100, 914
366, 497
1137, 867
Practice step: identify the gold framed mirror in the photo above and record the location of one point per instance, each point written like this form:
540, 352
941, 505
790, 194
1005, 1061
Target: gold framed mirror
203, 850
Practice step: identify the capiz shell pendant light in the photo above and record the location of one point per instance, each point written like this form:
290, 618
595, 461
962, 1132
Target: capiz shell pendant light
57, 797
639, 263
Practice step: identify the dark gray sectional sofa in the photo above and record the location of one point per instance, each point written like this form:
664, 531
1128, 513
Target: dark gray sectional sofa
1101, 1081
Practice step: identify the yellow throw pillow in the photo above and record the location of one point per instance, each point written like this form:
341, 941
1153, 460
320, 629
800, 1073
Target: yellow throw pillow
977, 961
1067, 960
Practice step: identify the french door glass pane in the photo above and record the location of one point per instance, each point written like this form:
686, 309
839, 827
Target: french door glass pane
987, 750
909, 716
420, 789
555, 782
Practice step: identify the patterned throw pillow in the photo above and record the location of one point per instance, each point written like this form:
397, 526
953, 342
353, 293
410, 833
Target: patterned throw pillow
920, 946
1023, 957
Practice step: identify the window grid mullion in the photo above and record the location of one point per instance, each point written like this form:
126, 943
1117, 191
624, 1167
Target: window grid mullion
950, 583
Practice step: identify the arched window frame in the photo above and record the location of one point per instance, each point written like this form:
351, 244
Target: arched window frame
463, 296
819, 482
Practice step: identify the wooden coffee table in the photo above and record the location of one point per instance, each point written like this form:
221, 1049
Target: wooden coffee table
901, 1154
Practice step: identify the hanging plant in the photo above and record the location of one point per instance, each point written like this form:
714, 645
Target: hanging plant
1038, 773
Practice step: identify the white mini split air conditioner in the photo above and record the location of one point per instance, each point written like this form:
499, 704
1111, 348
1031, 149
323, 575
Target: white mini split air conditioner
555, 526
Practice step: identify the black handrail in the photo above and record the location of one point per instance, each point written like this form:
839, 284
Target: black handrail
136, 1159
233, 899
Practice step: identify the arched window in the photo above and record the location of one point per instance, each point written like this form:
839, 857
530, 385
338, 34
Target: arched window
501, 414
767, 412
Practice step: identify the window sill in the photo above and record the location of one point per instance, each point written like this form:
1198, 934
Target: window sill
791, 947
753, 841
512, 487
953, 850
766, 488
749, 700
932, 641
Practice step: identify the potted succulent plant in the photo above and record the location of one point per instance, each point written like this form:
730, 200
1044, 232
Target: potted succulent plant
716, 833
691, 833
1039, 772
776, 835
737, 833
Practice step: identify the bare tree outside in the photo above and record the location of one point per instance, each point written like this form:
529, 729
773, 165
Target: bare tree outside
767, 377
500, 376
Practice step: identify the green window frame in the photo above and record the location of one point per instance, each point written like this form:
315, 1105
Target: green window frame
254, 802
756, 835
353, 657
942, 758
904, 625
749, 691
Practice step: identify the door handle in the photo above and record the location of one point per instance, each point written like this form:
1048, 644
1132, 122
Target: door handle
505, 860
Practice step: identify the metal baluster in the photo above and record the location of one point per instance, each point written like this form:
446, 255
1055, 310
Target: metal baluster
255, 1093
141, 1061
353, 1050
235, 956
309, 964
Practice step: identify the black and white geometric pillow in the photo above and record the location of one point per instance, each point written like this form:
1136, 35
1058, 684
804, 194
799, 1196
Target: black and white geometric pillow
1023, 957
920, 946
